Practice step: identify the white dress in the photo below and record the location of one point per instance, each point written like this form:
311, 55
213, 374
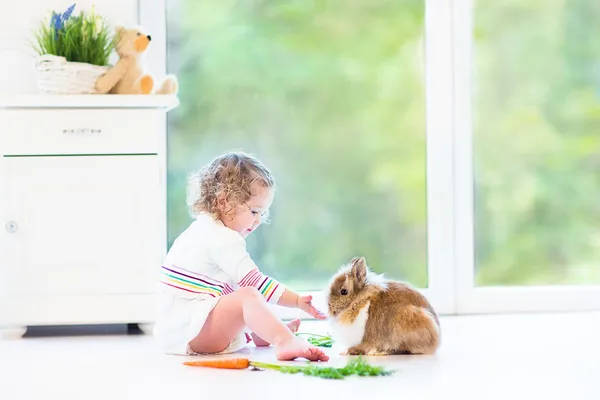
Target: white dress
207, 261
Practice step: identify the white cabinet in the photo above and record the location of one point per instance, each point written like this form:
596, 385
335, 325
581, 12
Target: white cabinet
82, 210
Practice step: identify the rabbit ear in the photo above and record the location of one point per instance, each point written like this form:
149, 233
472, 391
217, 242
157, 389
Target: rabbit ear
359, 268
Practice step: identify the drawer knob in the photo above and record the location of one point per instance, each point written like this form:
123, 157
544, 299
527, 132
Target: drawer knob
11, 226
82, 131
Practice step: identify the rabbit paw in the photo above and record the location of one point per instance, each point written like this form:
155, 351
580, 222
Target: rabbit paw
355, 351
375, 352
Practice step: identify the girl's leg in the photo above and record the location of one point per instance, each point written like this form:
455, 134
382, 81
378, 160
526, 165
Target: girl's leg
260, 342
248, 307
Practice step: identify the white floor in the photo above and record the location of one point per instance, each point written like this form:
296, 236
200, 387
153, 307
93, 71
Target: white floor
544, 356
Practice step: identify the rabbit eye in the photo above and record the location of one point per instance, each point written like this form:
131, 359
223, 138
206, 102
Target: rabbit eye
344, 292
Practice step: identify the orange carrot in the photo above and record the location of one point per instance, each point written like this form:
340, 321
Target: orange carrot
231, 363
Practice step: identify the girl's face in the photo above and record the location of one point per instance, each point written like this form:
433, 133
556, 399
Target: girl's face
248, 216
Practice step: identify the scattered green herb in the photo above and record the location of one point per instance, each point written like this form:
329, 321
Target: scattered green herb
357, 366
318, 340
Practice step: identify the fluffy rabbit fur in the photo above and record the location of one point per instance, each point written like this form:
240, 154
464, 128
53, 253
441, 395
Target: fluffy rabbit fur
374, 316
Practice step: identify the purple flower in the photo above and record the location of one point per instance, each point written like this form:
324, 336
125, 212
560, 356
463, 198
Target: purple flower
68, 13
58, 20
55, 22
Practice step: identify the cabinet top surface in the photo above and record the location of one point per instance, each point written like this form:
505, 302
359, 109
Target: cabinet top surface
104, 101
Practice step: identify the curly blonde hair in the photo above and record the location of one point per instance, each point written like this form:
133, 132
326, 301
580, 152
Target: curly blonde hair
231, 176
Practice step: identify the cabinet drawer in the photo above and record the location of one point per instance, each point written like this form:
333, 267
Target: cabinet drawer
77, 131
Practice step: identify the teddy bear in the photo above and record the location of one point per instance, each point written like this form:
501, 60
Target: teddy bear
128, 76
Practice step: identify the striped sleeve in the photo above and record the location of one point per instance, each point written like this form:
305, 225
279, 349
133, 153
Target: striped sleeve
267, 286
231, 256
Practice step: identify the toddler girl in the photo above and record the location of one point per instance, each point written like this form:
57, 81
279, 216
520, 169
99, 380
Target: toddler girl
210, 290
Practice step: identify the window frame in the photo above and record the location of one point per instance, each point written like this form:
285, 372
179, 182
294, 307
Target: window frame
450, 185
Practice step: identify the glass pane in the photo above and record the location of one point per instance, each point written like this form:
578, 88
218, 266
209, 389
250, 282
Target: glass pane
331, 98
537, 141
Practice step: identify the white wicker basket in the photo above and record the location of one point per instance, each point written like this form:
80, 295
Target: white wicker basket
59, 76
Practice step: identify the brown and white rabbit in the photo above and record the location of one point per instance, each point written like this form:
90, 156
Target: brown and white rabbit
374, 316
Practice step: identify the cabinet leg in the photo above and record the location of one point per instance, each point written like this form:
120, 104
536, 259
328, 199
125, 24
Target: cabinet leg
139, 329
12, 332
133, 329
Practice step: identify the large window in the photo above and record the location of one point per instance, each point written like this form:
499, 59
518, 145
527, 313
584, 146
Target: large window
332, 99
527, 147
454, 143
536, 139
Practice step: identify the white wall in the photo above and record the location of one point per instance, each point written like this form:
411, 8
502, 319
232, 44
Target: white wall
17, 73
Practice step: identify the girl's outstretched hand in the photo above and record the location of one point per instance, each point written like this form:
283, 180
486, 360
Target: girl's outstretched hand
305, 304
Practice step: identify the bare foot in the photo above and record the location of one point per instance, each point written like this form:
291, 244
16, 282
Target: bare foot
298, 347
260, 342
